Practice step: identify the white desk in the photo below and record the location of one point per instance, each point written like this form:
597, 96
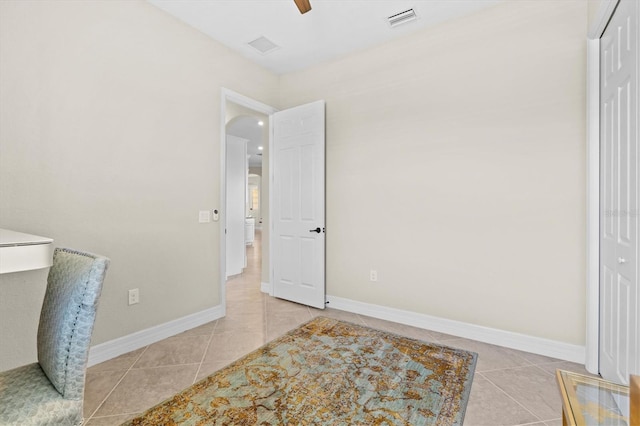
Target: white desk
24, 252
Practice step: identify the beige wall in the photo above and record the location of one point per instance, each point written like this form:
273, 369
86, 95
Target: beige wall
109, 142
456, 169
455, 163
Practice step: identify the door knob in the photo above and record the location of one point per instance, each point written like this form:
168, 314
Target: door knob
622, 260
318, 230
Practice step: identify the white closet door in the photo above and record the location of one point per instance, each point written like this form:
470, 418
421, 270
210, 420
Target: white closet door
619, 294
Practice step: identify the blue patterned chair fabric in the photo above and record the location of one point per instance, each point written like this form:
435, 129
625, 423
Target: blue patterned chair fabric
50, 392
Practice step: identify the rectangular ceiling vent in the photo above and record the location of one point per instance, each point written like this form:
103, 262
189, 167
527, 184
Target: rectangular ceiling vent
263, 45
402, 18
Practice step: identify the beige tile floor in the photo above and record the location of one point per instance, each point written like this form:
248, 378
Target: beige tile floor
509, 388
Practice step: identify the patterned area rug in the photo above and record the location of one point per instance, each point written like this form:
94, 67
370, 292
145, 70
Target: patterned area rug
329, 372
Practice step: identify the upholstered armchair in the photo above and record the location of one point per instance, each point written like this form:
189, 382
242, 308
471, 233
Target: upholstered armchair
51, 391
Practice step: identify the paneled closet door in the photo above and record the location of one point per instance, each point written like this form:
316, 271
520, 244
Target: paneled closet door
619, 162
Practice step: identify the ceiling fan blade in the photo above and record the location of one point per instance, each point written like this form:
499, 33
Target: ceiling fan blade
303, 5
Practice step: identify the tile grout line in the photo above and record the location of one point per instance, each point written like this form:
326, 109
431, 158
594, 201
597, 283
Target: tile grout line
111, 415
544, 371
512, 398
204, 355
511, 368
116, 385
156, 367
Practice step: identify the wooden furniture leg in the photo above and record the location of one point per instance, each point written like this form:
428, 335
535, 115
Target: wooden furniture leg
634, 400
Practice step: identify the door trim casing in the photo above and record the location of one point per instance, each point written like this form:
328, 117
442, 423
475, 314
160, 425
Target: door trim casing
603, 15
227, 95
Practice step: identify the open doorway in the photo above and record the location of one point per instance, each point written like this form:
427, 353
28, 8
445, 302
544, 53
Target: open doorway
244, 151
295, 170
245, 180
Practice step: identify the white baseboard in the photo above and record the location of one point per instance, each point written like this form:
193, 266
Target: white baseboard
266, 288
116, 347
522, 342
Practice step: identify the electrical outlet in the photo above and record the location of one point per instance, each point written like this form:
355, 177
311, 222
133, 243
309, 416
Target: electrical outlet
373, 275
134, 296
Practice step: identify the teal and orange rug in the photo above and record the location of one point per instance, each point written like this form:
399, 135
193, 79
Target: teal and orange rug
329, 372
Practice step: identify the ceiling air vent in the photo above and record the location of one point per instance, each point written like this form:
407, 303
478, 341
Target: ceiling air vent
263, 45
402, 18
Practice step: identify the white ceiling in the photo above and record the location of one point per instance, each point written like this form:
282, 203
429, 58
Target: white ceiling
333, 28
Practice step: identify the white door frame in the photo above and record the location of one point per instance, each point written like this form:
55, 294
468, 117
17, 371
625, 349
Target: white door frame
602, 17
227, 95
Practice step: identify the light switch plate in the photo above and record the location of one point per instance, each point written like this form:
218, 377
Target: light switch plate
205, 216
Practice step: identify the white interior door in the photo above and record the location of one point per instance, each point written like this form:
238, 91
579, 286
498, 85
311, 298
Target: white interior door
298, 241
236, 188
619, 294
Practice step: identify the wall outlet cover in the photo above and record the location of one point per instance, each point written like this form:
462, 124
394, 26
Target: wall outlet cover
134, 296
